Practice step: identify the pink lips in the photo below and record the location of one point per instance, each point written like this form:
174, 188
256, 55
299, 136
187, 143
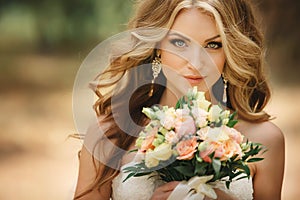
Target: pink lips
194, 79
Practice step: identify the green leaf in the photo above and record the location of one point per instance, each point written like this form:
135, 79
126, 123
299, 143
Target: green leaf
129, 176
242, 177
200, 169
198, 158
227, 184
185, 170
180, 103
133, 150
216, 163
254, 160
238, 173
142, 174
231, 123
246, 169
231, 116
129, 169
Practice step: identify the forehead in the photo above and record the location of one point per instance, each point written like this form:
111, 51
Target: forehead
195, 23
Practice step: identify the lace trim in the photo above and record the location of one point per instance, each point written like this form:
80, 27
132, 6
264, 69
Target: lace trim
141, 188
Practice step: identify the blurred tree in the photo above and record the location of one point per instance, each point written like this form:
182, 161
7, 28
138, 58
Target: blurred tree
56, 24
282, 33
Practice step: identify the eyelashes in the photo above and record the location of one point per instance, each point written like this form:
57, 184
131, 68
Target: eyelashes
214, 45
180, 43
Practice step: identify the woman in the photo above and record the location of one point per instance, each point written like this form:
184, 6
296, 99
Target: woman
204, 39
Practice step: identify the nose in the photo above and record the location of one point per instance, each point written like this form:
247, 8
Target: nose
197, 58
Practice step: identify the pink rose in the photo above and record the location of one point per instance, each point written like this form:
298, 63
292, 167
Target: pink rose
232, 148
147, 142
235, 135
184, 124
186, 149
220, 151
205, 150
227, 149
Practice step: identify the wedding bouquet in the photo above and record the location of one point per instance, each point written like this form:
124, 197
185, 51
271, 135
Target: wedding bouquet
194, 139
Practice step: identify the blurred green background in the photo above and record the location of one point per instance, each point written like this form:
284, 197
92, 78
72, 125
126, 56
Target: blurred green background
42, 44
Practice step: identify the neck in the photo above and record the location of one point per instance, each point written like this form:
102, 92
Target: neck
168, 98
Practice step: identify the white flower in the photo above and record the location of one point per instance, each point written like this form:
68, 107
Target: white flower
193, 93
225, 121
225, 114
217, 134
168, 120
214, 113
149, 113
202, 133
159, 114
225, 117
198, 98
171, 137
200, 116
203, 104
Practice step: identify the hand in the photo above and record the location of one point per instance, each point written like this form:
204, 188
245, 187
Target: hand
164, 191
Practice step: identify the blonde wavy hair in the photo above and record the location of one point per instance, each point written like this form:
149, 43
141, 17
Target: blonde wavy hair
243, 45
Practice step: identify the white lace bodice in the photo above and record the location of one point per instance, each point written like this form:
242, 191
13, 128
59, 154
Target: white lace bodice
141, 188
135, 188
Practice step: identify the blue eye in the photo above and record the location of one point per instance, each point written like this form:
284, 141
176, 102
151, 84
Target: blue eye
214, 45
178, 43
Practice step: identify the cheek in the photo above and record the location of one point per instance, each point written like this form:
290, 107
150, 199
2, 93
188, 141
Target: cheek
219, 60
172, 61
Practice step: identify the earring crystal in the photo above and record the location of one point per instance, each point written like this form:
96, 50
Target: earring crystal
156, 68
225, 90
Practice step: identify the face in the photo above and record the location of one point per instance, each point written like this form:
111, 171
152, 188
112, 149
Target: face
192, 53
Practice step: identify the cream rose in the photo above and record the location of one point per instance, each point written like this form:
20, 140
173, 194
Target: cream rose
150, 160
162, 152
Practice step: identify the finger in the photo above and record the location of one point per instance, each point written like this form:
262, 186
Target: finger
169, 186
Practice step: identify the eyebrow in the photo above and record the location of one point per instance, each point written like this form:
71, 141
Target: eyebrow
212, 38
207, 40
177, 34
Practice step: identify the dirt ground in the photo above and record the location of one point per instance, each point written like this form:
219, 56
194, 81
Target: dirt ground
39, 161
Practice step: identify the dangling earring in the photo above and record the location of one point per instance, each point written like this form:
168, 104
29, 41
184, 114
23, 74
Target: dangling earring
156, 68
225, 89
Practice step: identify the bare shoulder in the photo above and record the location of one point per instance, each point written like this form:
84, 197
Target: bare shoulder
271, 169
93, 155
266, 133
